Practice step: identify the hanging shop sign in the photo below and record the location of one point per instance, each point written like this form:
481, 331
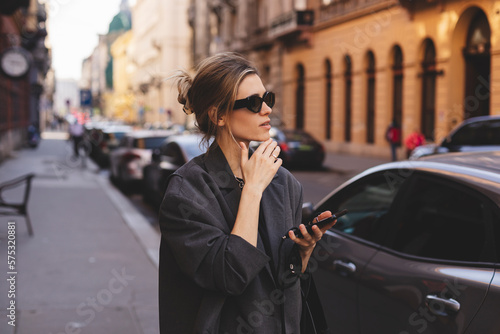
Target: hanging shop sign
15, 62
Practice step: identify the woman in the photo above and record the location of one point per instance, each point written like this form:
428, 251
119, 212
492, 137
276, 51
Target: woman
223, 266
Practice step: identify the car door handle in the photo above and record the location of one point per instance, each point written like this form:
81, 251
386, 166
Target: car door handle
346, 266
449, 304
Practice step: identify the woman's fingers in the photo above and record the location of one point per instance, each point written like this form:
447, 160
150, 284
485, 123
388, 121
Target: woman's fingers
244, 153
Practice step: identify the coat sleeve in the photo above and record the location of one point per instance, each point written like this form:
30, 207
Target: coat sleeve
194, 228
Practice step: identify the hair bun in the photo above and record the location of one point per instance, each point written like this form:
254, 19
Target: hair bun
184, 82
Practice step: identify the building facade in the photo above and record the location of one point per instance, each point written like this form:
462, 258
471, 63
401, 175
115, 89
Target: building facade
160, 43
343, 70
122, 101
25, 61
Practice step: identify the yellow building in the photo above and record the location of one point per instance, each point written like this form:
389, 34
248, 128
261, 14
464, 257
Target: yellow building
122, 100
427, 64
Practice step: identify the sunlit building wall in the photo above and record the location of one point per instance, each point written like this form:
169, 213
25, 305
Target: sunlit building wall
161, 43
428, 64
122, 98
343, 70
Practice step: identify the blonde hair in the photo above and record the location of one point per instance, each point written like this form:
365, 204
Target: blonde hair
214, 85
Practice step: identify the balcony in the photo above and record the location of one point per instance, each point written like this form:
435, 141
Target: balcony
343, 10
413, 6
290, 24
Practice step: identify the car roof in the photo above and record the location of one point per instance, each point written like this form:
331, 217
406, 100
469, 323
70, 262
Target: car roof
150, 133
480, 119
484, 160
184, 138
475, 168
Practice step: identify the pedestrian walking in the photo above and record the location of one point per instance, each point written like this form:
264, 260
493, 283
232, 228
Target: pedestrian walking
412, 141
76, 131
393, 136
223, 265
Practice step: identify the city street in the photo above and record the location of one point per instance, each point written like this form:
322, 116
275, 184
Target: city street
91, 265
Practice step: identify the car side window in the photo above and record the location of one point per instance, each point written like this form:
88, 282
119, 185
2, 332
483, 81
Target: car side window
173, 154
480, 133
368, 202
443, 221
123, 141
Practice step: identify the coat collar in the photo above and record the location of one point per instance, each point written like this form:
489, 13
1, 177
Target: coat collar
272, 206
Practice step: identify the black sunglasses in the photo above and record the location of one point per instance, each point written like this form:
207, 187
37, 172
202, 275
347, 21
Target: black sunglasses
254, 102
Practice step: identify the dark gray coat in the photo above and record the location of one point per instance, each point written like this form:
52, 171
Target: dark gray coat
211, 281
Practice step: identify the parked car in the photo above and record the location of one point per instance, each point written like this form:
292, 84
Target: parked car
105, 139
133, 153
298, 148
474, 134
418, 251
172, 154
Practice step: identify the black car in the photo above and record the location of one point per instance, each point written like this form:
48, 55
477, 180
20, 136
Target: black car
172, 154
418, 251
474, 134
298, 148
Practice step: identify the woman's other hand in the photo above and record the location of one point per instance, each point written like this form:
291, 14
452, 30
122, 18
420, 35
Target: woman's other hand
308, 242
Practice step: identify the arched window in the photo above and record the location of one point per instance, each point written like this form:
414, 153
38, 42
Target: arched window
347, 97
477, 67
428, 90
300, 98
370, 98
397, 94
328, 99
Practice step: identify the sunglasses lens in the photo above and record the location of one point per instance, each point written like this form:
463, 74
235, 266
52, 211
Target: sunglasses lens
255, 103
269, 99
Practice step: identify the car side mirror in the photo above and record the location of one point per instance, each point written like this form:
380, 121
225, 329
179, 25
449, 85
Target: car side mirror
156, 156
307, 211
446, 141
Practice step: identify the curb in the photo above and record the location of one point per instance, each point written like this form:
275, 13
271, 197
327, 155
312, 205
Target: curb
144, 233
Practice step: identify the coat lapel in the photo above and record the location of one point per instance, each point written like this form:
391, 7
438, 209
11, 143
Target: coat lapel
271, 206
218, 168
273, 216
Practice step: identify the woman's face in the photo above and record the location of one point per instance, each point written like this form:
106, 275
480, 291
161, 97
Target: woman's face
245, 124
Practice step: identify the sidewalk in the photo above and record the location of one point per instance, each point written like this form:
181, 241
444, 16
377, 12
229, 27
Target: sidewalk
91, 266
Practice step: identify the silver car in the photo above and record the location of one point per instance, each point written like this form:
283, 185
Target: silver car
474, 134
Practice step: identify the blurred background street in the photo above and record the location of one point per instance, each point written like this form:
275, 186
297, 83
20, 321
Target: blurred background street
87, 107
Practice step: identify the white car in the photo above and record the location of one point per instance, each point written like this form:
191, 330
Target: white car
134, 152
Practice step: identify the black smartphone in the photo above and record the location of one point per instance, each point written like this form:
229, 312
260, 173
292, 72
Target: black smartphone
320, 223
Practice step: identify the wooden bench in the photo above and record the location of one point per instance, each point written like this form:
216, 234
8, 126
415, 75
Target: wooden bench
19, 208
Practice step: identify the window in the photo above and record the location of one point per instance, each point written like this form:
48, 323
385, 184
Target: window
300, 97
441, 220
173, 154
370, 98
397, 97
478, 133
347, 97
428, 90
368, 201
328, 98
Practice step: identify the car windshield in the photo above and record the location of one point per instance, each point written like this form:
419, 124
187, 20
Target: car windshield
193, 150
477, 134
297, 136
149, 142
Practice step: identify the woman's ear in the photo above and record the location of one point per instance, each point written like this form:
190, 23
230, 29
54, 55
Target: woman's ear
221, 121
212, 113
